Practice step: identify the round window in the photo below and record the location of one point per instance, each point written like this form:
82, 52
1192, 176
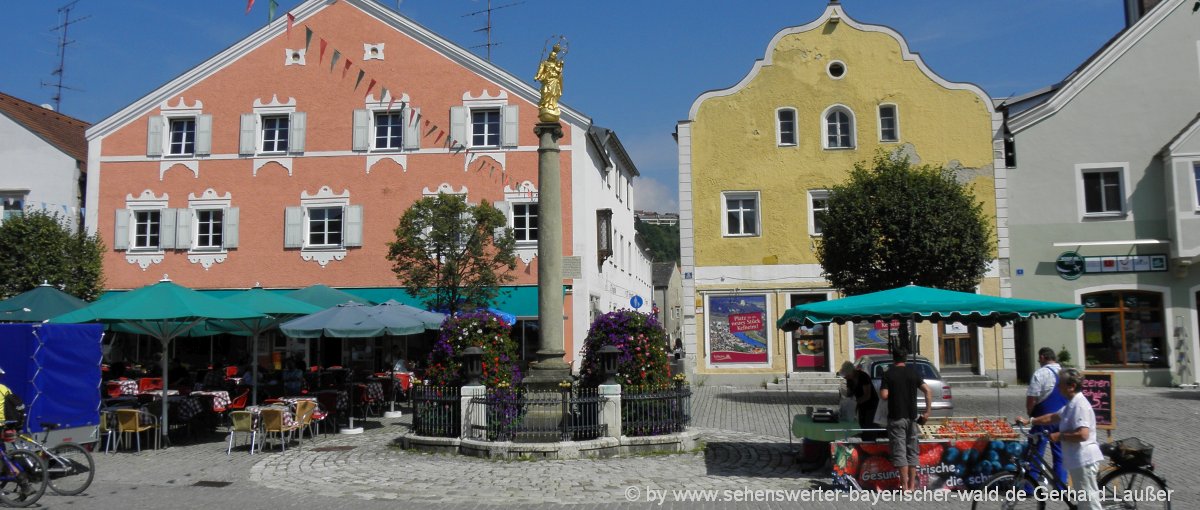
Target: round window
837, 69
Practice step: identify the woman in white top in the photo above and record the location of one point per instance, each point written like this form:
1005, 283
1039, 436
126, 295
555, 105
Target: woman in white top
1077, 424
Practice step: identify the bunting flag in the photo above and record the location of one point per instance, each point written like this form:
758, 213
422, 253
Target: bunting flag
337, 55
321, 57
383, 93
370, 86
291, 19
249, 4
431, 130
439, 137
307, 37
361, 73
346, 68
412, 114
271, 10
391, 102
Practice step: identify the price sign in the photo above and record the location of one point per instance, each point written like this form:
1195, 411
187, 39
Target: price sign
1098, 389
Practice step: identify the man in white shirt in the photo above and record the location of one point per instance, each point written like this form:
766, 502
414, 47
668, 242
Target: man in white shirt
1081, 452
1043, 397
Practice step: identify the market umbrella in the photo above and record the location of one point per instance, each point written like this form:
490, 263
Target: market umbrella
163, 311
276, 308
324, 296
393, 308
38, 304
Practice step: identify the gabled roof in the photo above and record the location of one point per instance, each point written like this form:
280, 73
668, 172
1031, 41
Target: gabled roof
63, 132
609, 144
660, 273
1187, 131
302, 12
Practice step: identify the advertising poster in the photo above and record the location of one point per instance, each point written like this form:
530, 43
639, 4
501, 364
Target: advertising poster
809, 348
872, 337
945, 464
737, 329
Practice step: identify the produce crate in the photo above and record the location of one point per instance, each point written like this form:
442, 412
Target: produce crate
969, 427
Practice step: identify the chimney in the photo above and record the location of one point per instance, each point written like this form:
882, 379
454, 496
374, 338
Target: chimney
1136, 9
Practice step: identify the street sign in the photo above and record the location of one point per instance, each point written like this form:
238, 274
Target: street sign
636, 302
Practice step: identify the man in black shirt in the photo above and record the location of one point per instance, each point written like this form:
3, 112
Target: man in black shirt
899, 389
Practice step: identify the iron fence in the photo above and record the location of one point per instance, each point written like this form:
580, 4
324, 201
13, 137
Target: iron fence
507, 414
437, 410
654, 411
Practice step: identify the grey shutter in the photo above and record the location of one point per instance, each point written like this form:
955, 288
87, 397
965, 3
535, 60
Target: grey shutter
412, 132
508, 137
458, 124
354, 226
297, 125
362, 126
248, 141
229, 231
154, 136
121, 230
203, 135
506, 208
183, 228
293, 231
166, 229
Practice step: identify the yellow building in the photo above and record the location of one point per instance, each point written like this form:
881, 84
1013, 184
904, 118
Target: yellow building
755, 160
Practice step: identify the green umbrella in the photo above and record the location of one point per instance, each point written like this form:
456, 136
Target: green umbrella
275, 308
164, 311
393, 308
38, 304
325, 297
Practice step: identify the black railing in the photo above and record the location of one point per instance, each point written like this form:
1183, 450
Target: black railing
436, 410
654, 411
506, 414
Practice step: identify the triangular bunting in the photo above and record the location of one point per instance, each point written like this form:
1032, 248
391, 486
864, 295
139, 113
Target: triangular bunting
346, 68
431, 130
321, 55
291, 19
439, 136
383, 94
361, 73
307, 37
370, 86
333, 61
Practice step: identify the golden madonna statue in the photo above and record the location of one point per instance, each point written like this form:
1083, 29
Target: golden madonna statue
550, 74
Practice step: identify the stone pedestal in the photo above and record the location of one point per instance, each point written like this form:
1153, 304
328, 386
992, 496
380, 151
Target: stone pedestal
468, 420
549, 369
610, 414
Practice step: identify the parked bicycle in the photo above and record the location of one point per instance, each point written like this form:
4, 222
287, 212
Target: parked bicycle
1124, 483
22, 474
69, 466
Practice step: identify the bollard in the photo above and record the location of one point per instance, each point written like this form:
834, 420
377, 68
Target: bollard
611, 413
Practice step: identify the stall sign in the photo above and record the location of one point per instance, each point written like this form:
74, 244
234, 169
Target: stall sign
1098, 389
945, 464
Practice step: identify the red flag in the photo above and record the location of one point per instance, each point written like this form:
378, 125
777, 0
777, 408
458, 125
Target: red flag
411, 113
321, 57
370, 86
439, 136
249, 4
344, 69
291, 19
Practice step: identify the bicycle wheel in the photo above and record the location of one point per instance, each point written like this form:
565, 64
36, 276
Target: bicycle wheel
27, 485
1129, 488
1005, 491
71, 469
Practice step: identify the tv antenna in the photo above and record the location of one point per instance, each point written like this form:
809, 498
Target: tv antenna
65, 14
488, 26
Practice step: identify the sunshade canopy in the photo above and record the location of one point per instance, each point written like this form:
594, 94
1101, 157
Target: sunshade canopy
275, 308
924, 304
393, 308
38, 304
325, 297
349, 320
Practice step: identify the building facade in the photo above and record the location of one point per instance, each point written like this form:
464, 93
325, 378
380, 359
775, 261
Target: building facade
755, 162
287, 160
1105, 201
43, 160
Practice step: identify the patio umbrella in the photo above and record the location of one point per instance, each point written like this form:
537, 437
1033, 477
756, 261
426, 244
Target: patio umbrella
38, 304
393, 308
324, 296
276, 308
164, 311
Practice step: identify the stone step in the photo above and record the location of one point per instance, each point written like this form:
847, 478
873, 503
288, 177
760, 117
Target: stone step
971, 381
803, 386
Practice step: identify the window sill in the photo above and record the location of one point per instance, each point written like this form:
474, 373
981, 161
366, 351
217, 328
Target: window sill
840, 148
144, 258
786, 145
735, 236
1105, 216
206, 257
322, 255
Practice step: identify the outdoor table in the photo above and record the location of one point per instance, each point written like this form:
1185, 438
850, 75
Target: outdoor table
803, 426
128, 386
185, 408
220, 399
159, 393
318, 413
374, 390
343, 398
289, 416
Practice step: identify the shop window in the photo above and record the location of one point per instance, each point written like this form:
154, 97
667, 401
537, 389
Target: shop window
1124, 328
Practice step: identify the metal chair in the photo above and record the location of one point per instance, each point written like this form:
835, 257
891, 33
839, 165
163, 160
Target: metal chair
130, 421
272, 420
242, 422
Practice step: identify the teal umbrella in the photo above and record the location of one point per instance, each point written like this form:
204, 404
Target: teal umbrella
275, 308
164, 311
393, 308
38, 304
325, 297
350, 320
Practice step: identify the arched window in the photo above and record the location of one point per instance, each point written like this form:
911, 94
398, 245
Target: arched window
1124, 328
839, 128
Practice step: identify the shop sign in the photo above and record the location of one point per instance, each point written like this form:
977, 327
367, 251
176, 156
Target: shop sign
1069, 265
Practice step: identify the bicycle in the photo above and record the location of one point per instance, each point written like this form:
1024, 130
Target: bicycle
1017, 488
69, 466
22, 475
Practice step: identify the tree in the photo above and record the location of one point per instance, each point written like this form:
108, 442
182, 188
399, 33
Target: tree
894, 224
39, 246
452, 255
661, 240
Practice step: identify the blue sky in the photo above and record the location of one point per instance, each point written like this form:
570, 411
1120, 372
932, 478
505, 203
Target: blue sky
633, 66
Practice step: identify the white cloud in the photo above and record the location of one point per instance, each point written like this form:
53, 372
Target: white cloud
650, 194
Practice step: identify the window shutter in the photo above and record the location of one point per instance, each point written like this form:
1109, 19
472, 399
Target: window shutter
183, 229
362, 123
458, 124
203, 135
293, 233
297, 125
166, 229
121, 230
505, 207
248, 141
353, 226
412, 131
508, 137
154, 136
229, 231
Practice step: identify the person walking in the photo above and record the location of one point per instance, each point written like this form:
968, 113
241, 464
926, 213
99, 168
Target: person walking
899, 389
1043, 398
1077, 425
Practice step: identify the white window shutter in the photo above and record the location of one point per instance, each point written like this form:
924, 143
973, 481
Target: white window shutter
362, 125
412, 130
354, 226
293, 231
183, 229
154, 136
229, 230
248, 141
458, 124
505, 207
203, 135
508, 116
297, 125
121, 230
166, 229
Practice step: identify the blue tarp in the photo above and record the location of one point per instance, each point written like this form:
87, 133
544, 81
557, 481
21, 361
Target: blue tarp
55, 369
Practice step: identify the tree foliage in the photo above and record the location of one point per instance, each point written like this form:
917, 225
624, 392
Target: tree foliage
661, 240
894, 223
452, 255
39, 246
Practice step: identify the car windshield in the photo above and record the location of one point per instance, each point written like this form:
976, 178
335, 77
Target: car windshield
925, 369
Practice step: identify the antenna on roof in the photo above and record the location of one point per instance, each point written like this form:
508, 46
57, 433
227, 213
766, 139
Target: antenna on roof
65, 13
488, 26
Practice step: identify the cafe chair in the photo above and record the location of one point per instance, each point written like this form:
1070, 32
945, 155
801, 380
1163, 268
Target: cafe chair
242, 422
107, 434
273, 424
304, 418
136, 421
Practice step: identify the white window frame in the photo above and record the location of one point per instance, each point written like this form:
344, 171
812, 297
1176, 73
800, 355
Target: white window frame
536, 217
209, 200
168, 130
779, 127
853, 127
8, 198
1196, 184
262, 133
274, 109
741, 195
498, 110
374, 130
145, 201
307, 227
814, 195
1122, 171
895, 121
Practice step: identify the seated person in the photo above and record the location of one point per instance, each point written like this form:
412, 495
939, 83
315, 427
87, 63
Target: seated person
293, 379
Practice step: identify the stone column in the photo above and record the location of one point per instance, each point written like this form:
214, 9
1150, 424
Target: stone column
549, 368
610, 413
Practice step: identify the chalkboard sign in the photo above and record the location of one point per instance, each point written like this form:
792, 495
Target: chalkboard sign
1098, 389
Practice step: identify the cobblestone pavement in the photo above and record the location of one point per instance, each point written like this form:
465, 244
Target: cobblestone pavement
747, 449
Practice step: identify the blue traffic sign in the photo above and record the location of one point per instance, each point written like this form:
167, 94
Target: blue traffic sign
636, 302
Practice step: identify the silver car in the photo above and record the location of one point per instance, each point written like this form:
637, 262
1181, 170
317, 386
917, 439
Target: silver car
876, 365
